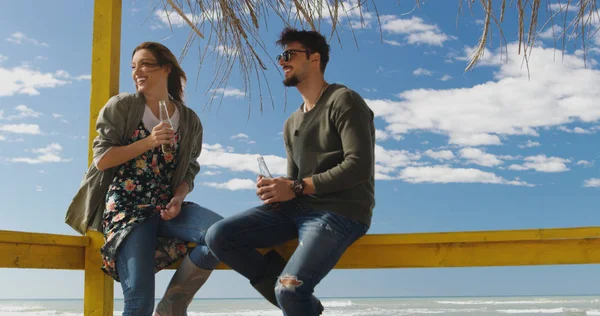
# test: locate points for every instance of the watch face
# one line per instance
(298, 187)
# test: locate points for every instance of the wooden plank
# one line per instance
(462, 254)
(42, 239)
(106, 53)
(32, 256)
(512, 253)
(480, 236)
(98, 288)
(478, 254)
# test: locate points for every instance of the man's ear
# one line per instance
(315, 57)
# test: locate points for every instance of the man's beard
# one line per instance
(291, 81)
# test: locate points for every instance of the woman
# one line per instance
(134, 192)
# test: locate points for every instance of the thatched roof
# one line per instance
(233, 25)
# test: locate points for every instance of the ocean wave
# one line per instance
(337, 303)
(541, 311)
(523, 302)
(40, 313)
(595, 312)
(20, 308)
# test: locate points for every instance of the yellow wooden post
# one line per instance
(106, 49)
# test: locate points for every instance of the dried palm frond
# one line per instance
(234, 25)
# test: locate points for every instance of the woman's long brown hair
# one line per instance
(164, 56)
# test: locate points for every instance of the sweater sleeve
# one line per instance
(111, 125)
(194, 166)
(353, 121)
(292, 169)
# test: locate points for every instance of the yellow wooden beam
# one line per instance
(34, 256)
(106, 51)
(42, 239)
(98, 288)
(480, 236)
(466, 254)
(452, 249)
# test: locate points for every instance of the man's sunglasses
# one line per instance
(287, 55)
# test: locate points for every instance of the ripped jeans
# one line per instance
(322, 239)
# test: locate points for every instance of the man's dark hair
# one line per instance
(311, 40)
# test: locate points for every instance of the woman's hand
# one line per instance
(161, 134)
(172, 209)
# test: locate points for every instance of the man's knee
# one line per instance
(288, 288)
(216, 238)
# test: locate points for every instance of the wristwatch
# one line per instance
(298, 187)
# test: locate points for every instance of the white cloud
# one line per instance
(233, 184)
(529, 144)
(440, 155)
(25, 80)
(225, 50)
(3, 58)
(415, 30)
(576, 130)
(230, 92)
(381, 135)
(422, 72)
(474, 139)
(350, 11)
(387, 162)
(20, 38)
(23, 112)
(217, 156)
(591, 183)
(56, 115)
(243, 138)
(559, 92)
(173, 19)
(584, 163)
(239, 136)
(2, 137)
(563, 6)
(479, 157)
(38, 188)
(445, 174)
(445, 78)
(32, 129)
(541, 163)
(392, 42)
(552, 32)
(211, 173)
(48, 154)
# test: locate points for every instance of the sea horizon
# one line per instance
(588, 305)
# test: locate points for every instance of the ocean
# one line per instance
(470, 306)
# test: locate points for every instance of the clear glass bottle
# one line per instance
(164, 118)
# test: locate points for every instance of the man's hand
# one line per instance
(172, 209)
(272, 190)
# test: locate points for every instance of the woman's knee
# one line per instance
(138, 297)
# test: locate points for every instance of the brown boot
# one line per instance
(186, 281)
(266, 286)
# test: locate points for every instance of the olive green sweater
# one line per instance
(334, 144)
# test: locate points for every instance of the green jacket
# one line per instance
(117, 121)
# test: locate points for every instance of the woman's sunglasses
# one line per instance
(287, 55)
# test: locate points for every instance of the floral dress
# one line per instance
(140, 189)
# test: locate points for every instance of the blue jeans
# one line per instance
(135, 259)
(322, 239)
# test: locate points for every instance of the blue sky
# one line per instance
(483, 150)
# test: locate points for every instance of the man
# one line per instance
(328, 197)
